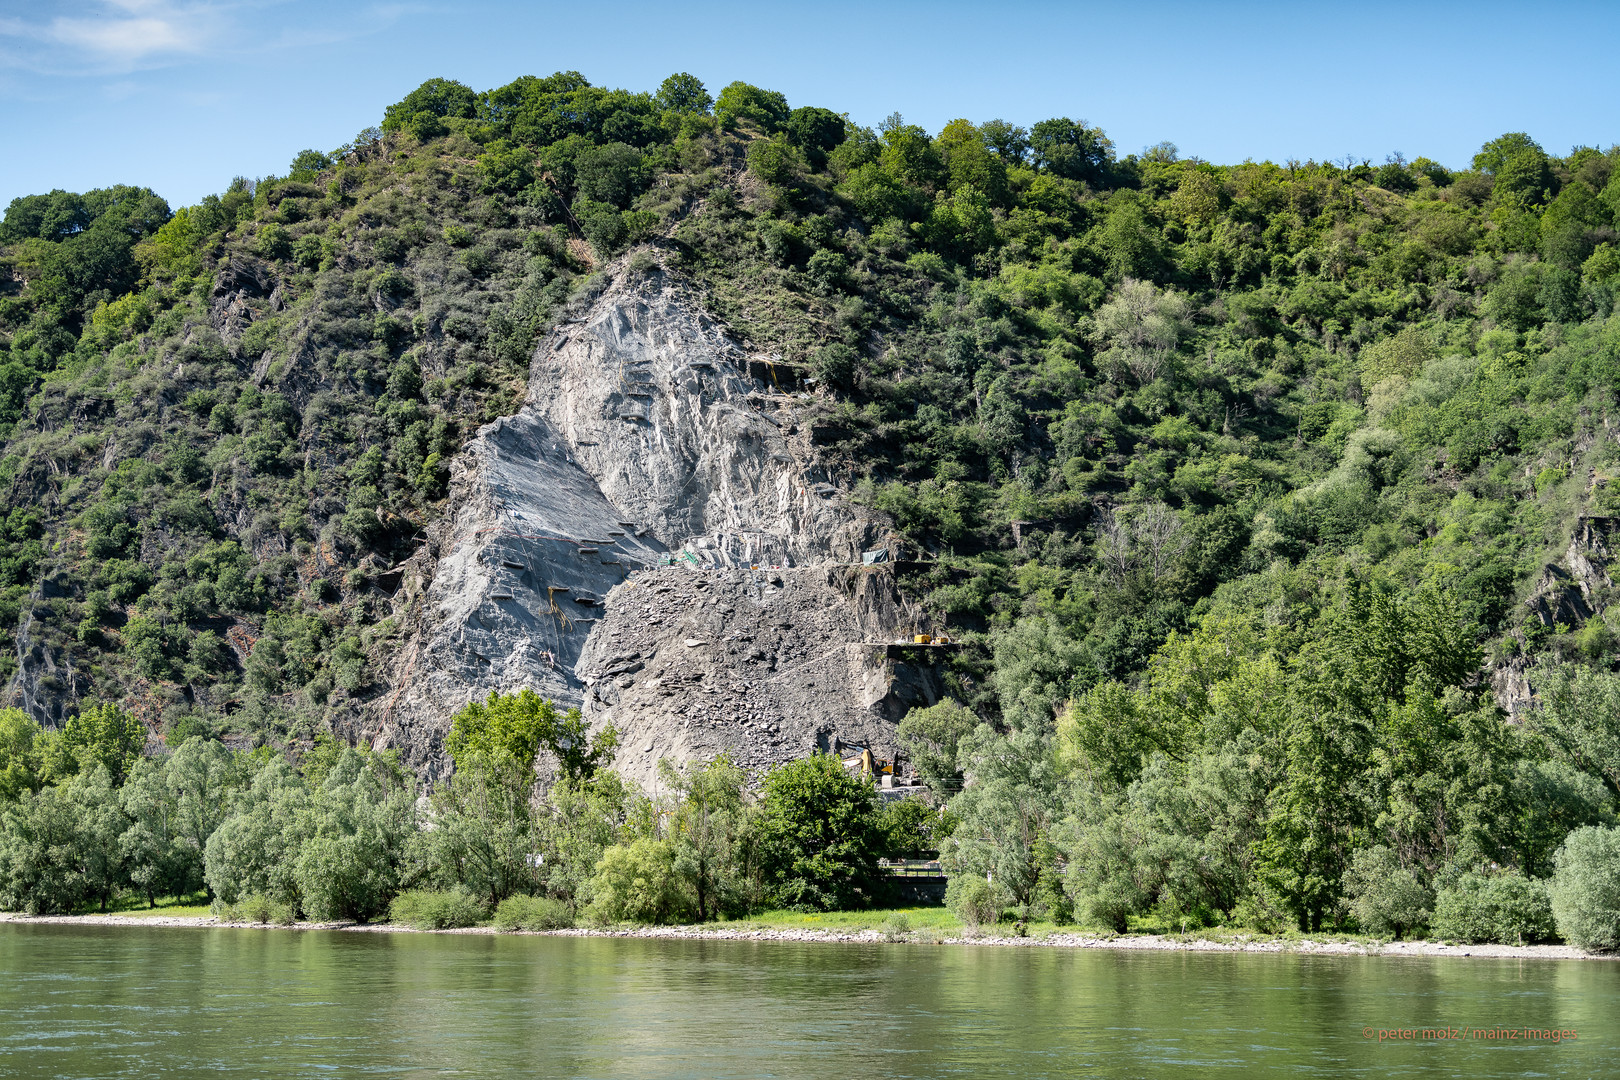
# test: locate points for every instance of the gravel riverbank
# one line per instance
(1189, 943)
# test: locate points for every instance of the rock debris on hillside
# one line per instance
(645, 440)
(762, 665)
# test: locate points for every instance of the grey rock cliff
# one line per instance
(644, 442)
(762, 665)
(1567, 594)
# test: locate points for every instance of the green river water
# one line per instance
(116, 1001)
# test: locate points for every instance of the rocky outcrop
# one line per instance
(238, 285)
(762, 665)
(648, 462)
(1591, 550)
(1510, 686)
(1567, 594)
(1574, 591)
(45, 685)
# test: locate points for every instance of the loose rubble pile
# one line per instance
(763, 665)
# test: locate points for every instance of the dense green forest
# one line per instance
(1240, 480)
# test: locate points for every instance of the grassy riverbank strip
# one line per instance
(866, 929)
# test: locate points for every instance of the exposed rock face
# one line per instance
(643, 441)
(1572, 592)
(237, 283)
(1566, 594)
(765, 665)
(1510, 685)
(43, 686)
(1591, 550)
(654, 399)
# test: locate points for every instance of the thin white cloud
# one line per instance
(365, 22)
(112, 36)
(129, 39)
(116, 37)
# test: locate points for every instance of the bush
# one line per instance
(1505, 907)
(1585, 889)
(1104, 878)
(774, 161)
(836, 365)
(1112, 905)
(1261, 912)
(255, 908)
(911, 829)
(973, 900)
(740, 101)
(274, 242)
(1385, 897)
(638, 883)
(533, 913)
(345, 877)
(436, 909)
(895, 927)
(253, 851)
(603, 225)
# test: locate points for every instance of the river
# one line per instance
(87, 1002)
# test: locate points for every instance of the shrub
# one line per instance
(255, 908)
(603, 225)
(1505, 907)
(436, 909)
(346, 877)
(932, 735)
(1386, 897)
(895, 927)
(911, 829)
(274, 242)
(1104, 878)
(638, 883)
(393, 285)
(522, 912)
(1111, 905)
(1523, 910)
(774, 161)
(307, 252)
(612, 174)
(1261, 912)
(1585, 889)
(973, 900)
(836, 365)
(1049, 898)
(252, 852)
(740, 101)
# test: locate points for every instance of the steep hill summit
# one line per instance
(435, 413)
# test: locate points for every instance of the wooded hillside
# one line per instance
(1243, 480)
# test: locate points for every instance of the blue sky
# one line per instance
(182, 95)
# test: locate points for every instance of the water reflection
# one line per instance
(87, 1002)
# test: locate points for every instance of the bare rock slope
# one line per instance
(1567, 593)
(764, 665)
(605, 544)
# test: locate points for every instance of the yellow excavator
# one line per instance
(869, 764)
